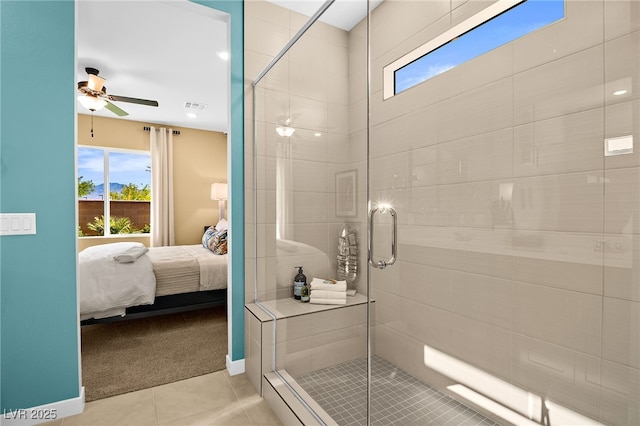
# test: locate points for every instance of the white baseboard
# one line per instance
(44, 413)
(235, 367)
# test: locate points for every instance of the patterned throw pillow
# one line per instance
(207, 236)
(218, 242)
(215, 240)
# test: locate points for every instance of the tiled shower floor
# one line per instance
(397, 397)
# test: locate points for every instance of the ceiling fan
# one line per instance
(93, 95)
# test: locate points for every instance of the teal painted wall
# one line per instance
(38, 307)
(235, 8)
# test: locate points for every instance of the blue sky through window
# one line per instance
(124, 167)
(510, 25)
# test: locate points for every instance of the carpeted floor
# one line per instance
(126, 356)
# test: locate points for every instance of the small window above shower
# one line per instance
(498, 24)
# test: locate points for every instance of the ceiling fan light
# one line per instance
(285, 131)
(92, 103)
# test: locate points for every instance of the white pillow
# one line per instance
(222, 225)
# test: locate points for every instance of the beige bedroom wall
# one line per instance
(200, 159)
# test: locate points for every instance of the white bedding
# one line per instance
(213, 267)
(107, 287)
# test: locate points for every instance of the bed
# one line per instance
(159, 280)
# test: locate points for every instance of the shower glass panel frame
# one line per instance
(515, 290)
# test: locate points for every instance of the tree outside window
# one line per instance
(124, 202)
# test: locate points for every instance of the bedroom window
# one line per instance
(498, 24)
(114, 188)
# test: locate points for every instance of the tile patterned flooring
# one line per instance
(397, 397)
(212, 399)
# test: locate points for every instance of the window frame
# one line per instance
(106, 150)
(485, 15)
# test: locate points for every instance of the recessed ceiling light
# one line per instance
(192, 115)
(223, 54)
(619, 92)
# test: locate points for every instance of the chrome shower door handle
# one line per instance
(381, 264)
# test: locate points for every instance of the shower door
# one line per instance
(494, 200)
(515, 175)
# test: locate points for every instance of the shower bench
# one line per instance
(309, 337)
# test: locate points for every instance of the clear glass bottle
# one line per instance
(305, 293)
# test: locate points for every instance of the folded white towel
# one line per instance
(327, 301)
(329, 285)
(325, 294)
(130, 255)
(351, 292)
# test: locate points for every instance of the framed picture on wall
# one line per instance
(346, 193)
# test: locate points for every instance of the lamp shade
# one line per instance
(218, 191)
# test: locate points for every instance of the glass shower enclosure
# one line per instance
(487, 213)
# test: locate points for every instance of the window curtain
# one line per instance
(284, 202)
(162, 216)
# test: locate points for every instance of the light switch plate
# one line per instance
(17, 223)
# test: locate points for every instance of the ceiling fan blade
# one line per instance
(116, 110)
(133, 100)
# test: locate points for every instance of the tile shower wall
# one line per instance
(519, 241)
(296, 196)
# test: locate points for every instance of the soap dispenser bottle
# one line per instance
(298, 283)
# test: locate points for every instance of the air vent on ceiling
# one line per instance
(194, 106)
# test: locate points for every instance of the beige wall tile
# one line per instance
(557, 373)
(621, 269)
(566, 318)
(582, 28)
(561, 260)
(423, 201)
(415, 16)
(620, 400)
(486, 109)
(426, 284)
(493, 265)
(269, 12)
(476, 158)
(409, 355)
(623, 119)
(482, 345)
(621, 17)
(426, 324)
(621, 331)
(482, 298)
(565, 203)
(622, 202)
(389, 311)
(565, 144)
(490, 67)
(264, 37)
(622, 68)
(429, 125)
(564, 86)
